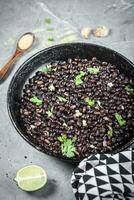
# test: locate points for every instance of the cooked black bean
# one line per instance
(85, 110)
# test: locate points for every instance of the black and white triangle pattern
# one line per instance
(105, 177)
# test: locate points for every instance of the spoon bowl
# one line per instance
(25, 41)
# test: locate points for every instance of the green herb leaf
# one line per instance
(35, 100)
(120, 120)
(74, 138)
(78, 81)
(110, 132)
(50, 112)
(93, 70)
(78, 78)
(62, 138)
(51, 87)
(46, 68)
(129, 89)
(82, 73)
(50, 29)
(48, 21)
(90, 102)
(62, 99)
(67, 146)
(50, 39)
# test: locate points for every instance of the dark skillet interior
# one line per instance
(60, 52)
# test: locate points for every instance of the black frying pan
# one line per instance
(60, 52)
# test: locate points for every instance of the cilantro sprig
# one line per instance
(110, 132)
(47, 68)
(120, 120)
(48, 21)
(129, 89)
(50, 112)
(67, 146)
(50, 29)
(62, 99)
(35, 100)
(50, 39)
(78, 78)
(90, 102)
(93, 70)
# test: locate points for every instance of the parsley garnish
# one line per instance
(78, 78)
(62, 99)
(129, 89)
(48, 21)
(67, 146)
(90, 102)
(47, 68)
(50, 39)
(93, 70)
(110, 132)
(35, 100)
(50, 29)
(50, 112)
(120, 120)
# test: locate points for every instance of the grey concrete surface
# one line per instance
(19, 16)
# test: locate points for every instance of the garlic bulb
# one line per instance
(101, 31)
(85, 32)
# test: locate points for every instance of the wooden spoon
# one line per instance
(23, 44)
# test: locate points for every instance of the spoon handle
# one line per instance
(6, 67)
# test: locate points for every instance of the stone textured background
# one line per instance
(68, 16)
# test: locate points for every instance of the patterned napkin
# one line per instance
(105, 177)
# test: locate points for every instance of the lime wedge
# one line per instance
(31, 178)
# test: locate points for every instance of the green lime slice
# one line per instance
(31, 178)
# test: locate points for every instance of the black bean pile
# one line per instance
(88, 102)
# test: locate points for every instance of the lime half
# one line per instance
(31, 178)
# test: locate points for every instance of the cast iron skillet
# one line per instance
(60, 52)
